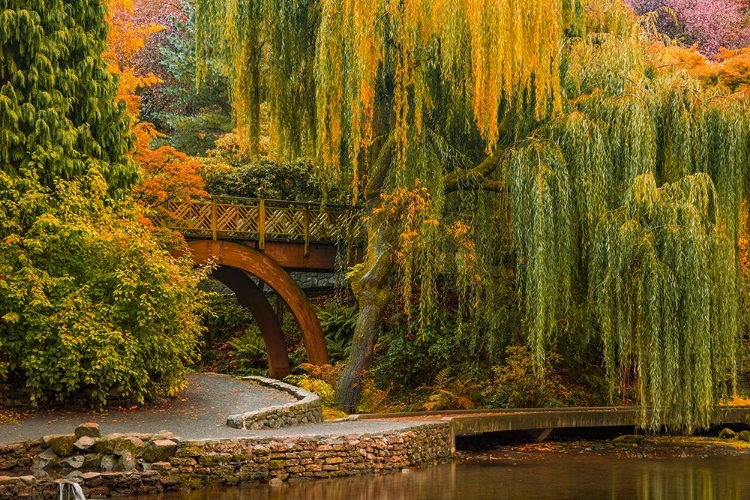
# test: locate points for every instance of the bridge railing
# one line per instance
(264, 220)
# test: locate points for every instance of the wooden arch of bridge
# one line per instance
(247, 237)
(235, 263)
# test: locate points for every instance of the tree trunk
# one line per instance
(369, 283)
(372, 292)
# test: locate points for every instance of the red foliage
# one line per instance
(146, 13)
(709, 24)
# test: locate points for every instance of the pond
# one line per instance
(538, 473)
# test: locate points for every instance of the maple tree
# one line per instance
(166, 174)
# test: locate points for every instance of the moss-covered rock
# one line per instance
(727, 433)
(214, 459)
(89, 429)
(61, 444)
(628, 440)
(276, 464)
(160, 450)
(128, 444)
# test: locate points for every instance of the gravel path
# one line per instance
(198, 412)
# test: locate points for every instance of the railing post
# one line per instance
(306, 230)
(261, 224)
(214, 229)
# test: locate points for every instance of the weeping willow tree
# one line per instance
(622, 175)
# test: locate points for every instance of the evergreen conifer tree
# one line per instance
(58, 115)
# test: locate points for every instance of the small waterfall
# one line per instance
(70, 491)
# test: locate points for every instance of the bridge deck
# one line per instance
(473, 422)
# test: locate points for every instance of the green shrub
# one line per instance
(448, 392)
(515, 385)
(88, 300)
(249, 351)
(231, 172)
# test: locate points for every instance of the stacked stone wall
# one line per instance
(306, 410)
(153, 464)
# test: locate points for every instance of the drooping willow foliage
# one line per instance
(638, 221)
(622, 176)
(339, 73)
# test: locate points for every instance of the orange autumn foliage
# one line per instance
(731, 69)
(166, 174)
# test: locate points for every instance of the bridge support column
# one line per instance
(538, 435)
(253, 298)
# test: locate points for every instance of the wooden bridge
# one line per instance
(536, 424)
(246, 237)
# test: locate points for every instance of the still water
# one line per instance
(546, 475)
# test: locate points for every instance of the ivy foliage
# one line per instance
(89, 301)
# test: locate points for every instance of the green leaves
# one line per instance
(57, 101)
(628, 207)
(666, 297)
(88, 300)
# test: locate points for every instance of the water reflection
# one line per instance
(539, 476)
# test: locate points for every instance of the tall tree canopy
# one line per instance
(709, 24)
(622, 174)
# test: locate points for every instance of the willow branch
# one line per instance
(380, 171)
(476, 177)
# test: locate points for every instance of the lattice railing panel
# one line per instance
(334, 225)
(190, 218)
(285, 222)
(237, 221)
(253, 219)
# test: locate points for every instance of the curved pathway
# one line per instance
(198, 412)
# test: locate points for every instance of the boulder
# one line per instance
(84, 443)
(117, 444)
(744, 436)
(92, 461)
(126, 462)
(89, 429)
(108, 463)
(74, 462)
(62, 444)
(628, 440)
(160, 450)
(163, 434)
(727, 433)
(129, 444)
(47, 458)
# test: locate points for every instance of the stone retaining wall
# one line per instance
(306, 410)
(186, 465)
